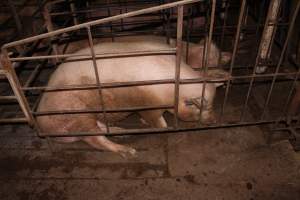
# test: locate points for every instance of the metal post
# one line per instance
(269, 33)
(16, 86)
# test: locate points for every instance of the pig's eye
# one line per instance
(188, 102)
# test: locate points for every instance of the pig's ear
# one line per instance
(101, 126)
(225, 57)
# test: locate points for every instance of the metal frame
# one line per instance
(30, 113)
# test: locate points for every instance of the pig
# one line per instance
(195, 50)
(122, 69)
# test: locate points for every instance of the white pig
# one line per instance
(123, 69)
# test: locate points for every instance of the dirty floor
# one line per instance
(234, 163)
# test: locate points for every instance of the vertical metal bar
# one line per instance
(268, 33)
(168, 15)
(73, 9)
(97, 76)
(178, 61)
(289, 34)
(16, 86)
(188, 34)
(16, 17)
(49, 26)
(235, 48)
(207, 51)
(224, 25)
(257, 60)
(110, 23)
(260, 16)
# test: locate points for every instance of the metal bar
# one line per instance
(4, 98)
(100, 21)
(170, 51)
(151, 82)
(207, 52)
(16, 17)
(115, 110)
(144, 131)
(268, 33)
(16, 87)
(13, 120)
(97, 76)
(73, 12)
(178, 62)
(49, 26)
(235, 48)
(290, 30)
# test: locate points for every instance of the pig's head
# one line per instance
(195, 57)
(190, 103)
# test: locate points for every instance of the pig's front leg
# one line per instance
(154, 118)
(101, 142)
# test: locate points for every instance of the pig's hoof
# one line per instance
(127, 152)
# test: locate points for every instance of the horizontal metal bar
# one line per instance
(144, 131)
(101, 56)
(13, 120)
(89, 111)
(8, 98)
(151, 82)
(100, 21)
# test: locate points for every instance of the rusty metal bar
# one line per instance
(170, 51)
(5, 98)
(235, 48)
(207, 52)
(289, 34)
(97, 76)
(100, 21)
(268, 34)
(178, 61)
(15, 85)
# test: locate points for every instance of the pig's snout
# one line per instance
(189, 110)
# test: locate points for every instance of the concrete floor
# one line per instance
(232, 163)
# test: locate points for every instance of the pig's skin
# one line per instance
(120, 70)
(195, 51)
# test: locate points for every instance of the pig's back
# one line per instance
(137, 68)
